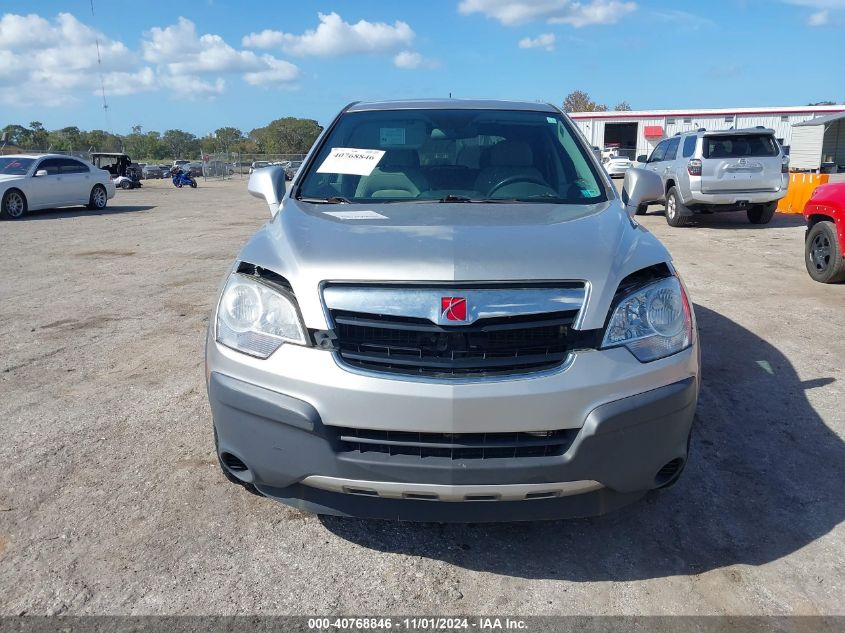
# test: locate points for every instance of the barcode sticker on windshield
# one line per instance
(356, 215)
(355, 162)
(391, 136)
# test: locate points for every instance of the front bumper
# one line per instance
(279, 416)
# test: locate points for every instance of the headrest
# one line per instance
(399, 158)
(511, 154)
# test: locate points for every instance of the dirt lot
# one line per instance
(111, 500)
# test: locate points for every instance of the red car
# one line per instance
(824, 250)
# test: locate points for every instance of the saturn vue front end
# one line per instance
(452, 316)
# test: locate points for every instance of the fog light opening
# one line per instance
(233, 464)
(669, 473)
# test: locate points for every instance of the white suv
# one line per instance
(721, 170)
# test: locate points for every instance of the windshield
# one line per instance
(452, 156)
(15, 166)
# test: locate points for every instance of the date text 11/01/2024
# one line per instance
(417, 623)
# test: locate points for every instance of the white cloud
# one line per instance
(49, 62)
(55, 61)
(182, 51)
(409, 60)
(819, 18)
(684, 19)
(193, 88)
(264, 39)
(577, 14)
(544, 40)
(277, 71)
(334, 37)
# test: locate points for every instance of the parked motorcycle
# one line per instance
(180, 178)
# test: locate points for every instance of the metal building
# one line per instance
(638, 132)
(819, 144)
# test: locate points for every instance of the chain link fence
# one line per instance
(226, 165)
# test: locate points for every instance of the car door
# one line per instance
(656, 157)
(669, 171)
(45, 190)
(76, 181)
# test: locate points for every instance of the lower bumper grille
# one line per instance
(455, 446)
(494, 346)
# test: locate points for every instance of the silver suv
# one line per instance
(724, 170)
(452, 316)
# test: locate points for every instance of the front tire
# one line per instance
(126, 185)
(823, 254)
(13, 206)
(193, 184)
(762, 214)
(675, 209)
(98, 199)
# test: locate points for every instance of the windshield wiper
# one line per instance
(453, 198)
(330, 200)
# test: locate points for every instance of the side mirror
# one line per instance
(642, 158)
(268, 183)
(640, 186)
(40, 173)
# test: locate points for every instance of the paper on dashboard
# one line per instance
(352, 161)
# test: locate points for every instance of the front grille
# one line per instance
(453, 446)
(488, 347)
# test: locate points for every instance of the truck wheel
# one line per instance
(762, 214)
(823, 254)
(13, 205)
(675, 209)
(99, 198)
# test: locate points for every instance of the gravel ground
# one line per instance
(111, 501)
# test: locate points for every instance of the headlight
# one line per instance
(256, 319)
(652, 322)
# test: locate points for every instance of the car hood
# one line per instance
(312, 243)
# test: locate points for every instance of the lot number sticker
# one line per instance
(355, 162)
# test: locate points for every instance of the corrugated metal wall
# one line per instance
(593, 129)
(833, 147)
(806, 147)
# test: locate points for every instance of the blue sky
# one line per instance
(209, 63)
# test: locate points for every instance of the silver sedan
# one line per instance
(44, 181)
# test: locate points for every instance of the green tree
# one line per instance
(38, 135)
(580, 101)
(180, 143)
(622, 106)
(227, 138)
(66, 139)
(286, 136)
(16, 135)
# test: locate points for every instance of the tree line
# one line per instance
(288, 135)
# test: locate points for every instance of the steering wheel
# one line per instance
(513, 180)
